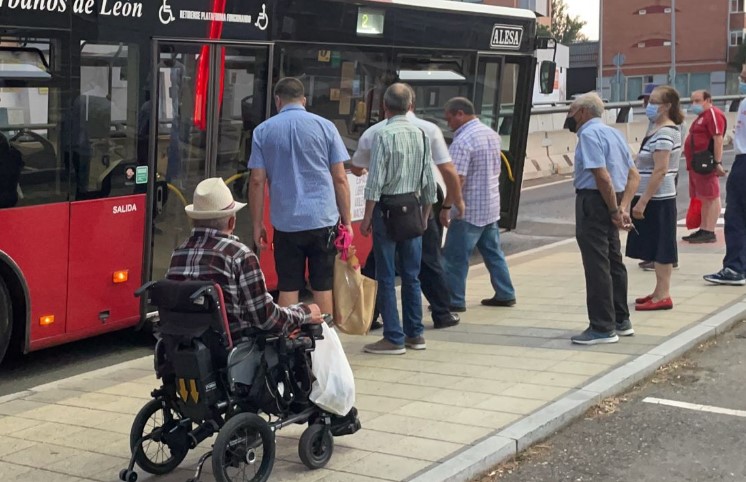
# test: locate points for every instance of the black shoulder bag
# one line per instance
(703, 162)
(402, 213)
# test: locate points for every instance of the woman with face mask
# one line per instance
(654, 205)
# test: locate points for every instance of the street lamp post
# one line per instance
(600, 80)
(672, 72)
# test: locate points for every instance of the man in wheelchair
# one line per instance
(226, 353)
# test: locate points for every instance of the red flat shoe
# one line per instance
(664, 304)
(640, 301)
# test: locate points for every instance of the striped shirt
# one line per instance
(209, 255)
(667, 138)
(475, 152)
(400, 162)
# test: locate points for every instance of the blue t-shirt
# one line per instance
(601, 146)
(297, 149)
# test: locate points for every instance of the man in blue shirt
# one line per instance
(302, 157)
(605, 182)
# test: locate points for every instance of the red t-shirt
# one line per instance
(708, 124)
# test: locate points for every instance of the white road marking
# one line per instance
(694, 406)
(546, 185)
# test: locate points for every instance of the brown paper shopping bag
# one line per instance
(354, 297)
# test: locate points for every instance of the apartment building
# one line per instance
(636, 45)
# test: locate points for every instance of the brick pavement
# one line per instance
(417, 410)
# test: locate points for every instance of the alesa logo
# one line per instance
(124, 208)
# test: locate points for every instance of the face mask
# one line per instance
(652, 112)
(697, 109)
(571, 124)
(742, 87)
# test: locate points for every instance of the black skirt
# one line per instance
(655, 239)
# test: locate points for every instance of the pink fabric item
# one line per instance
(343, 242)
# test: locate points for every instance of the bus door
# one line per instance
(495, 93)
(208, 99)
(107, 210)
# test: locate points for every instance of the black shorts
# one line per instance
(293, 250)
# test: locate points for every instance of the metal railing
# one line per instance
(562, 107)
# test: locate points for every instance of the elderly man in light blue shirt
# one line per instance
(302, 157)
(605, 182)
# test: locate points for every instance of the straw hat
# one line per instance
(212, 200)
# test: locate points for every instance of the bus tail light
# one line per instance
(121, 276)
(46, 320)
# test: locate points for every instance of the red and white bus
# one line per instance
(111, 111)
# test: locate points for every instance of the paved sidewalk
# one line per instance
(418, 410)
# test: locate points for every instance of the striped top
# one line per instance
(667, 138)
(400, 161)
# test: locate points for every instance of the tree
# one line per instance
(565, 29)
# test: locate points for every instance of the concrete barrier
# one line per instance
(561, 150)
(537, 164)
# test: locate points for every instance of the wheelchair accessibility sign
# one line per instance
(166, 15)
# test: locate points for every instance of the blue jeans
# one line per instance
(410, 253)
(460, 242)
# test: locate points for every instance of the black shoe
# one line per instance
(689, 237)
(704, 238)
(346, 425)
(447, 321)
(376, 325)
(452, 309)
(495, 302)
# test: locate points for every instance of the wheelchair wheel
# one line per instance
(316, 446)
(154, 456)
(244, 450)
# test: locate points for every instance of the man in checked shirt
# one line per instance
(475, 152)
(213, 253)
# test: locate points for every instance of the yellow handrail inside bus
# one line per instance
(236, 177)
(507, 166)
(183, 199)
(178, 193)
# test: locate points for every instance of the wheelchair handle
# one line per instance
(142, 289)
(328, 319)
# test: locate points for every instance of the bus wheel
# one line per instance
(6, 319)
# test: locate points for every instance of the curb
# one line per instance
(81, 376)
(507, 443)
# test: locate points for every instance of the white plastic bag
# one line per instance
(334, 387)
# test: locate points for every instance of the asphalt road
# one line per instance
(631, 440)
(546, 216)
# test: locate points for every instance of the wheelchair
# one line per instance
(212, 384)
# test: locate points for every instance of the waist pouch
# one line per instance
(402, 216)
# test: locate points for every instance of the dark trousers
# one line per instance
(605, 274)
(735, 217)
(432, 277)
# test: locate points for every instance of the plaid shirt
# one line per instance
(475, 152)
(400, 162)
(210, 255)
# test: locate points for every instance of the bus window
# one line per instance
(435, 81)
(244, 103)
(344, 86)
(103, 120)
(508, 92)
(31, 171)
